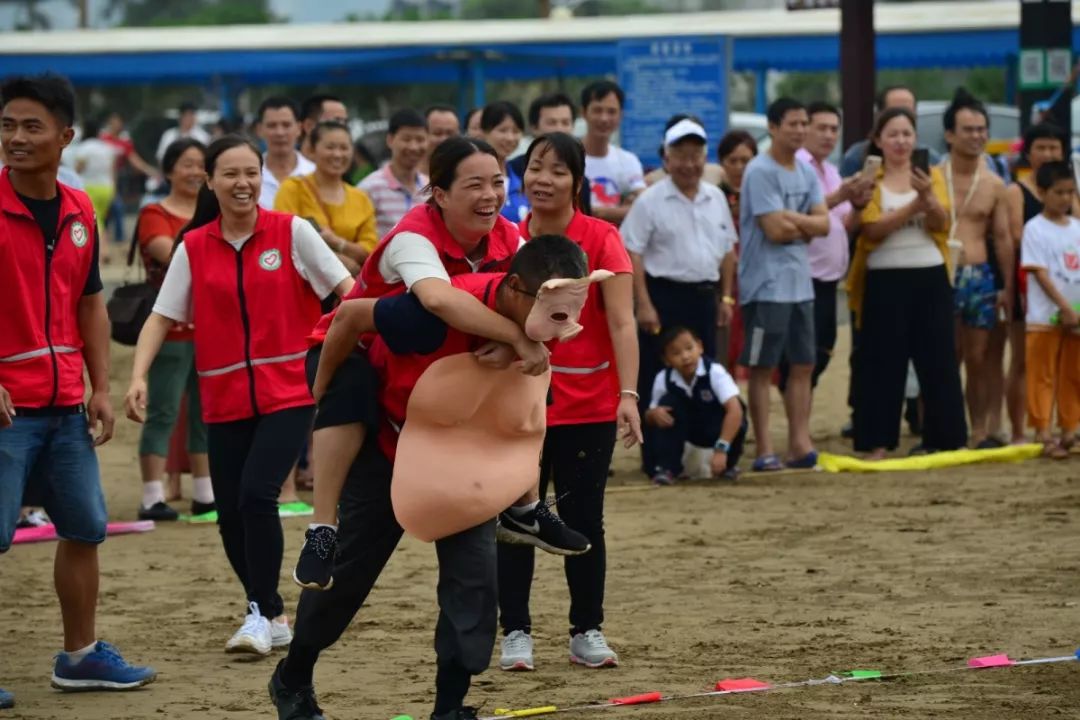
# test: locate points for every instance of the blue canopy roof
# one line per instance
(921, 35)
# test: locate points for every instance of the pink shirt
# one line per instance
(828, 254)
(390, 198)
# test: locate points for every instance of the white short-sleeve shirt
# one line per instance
(270, 184)
(613, 176)
(314, 261)
(1056, 248)
(678, 238)
(720, 381)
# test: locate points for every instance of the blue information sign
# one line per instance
(664, 76)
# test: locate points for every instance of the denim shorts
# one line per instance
(55, 457)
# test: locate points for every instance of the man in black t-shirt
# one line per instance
(55, 325)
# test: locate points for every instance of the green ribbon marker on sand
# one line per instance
(863, 674)
(401, 717)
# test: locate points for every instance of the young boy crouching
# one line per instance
(694, 400)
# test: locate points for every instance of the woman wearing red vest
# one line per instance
(251, 281)
(458, 231)
(454, 233)
(592, 380)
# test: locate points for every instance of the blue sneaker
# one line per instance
(7, 700)
(102, 669)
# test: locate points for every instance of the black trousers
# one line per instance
(908, 314)
(669, 443)
(576, 458)
(824, 331)
(853, 361)
(691, 305)
(368, 533)
(249, 461)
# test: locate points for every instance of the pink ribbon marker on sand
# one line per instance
(741, 685)
(990, 661)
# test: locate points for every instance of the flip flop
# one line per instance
(769, 463)
(806, 462)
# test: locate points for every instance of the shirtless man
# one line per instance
(978, 208)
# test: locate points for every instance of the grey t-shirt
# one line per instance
(770, 271)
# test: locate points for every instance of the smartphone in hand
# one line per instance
(921, 159)
(871, 166)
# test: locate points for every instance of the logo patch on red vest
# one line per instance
(270, 259)
(79, 236)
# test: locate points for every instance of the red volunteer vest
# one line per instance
(426, 220)
(41, 362)
(584, 377)
(398, 373)
(251, 311)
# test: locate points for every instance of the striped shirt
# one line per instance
(390, 198)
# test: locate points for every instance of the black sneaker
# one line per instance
(465, 713)
(158, 512)
(201, 508)
(315, 567)
(293, 704)
(543, 529)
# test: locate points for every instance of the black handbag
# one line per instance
(131, 303)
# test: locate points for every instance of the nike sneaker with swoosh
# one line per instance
(543, 529)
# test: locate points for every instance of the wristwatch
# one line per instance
(722, 446)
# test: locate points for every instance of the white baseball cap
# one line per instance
(683, 129)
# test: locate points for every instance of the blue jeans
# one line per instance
(57, 455)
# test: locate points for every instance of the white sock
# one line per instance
(153, 492)
(523, 510)
(78, 655)
(202, 491)
(312, 526)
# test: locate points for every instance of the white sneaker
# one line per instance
(517, 652)
(254, 636)
(280, 634)
(591, 650)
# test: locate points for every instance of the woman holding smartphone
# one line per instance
(901, 297)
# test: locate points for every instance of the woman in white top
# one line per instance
(902, 299)
(251, 280)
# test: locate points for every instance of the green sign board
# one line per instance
(1040, 68)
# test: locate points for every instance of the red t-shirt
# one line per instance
(124, 146)
(156, 221)
(398, 373)
(584, 379)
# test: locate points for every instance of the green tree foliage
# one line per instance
(492, 9)
(157, 13)
(987, 84)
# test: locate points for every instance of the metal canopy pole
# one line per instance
(857, 64)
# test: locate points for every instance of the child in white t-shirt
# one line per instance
(1050, 253)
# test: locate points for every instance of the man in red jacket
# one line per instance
(54, 322)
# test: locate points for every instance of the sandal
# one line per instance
(767, 463)
(806, 462)
(1055, 451)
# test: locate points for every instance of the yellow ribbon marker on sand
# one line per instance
(950, 458)
(527, 712)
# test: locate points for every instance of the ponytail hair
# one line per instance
(207, 210)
